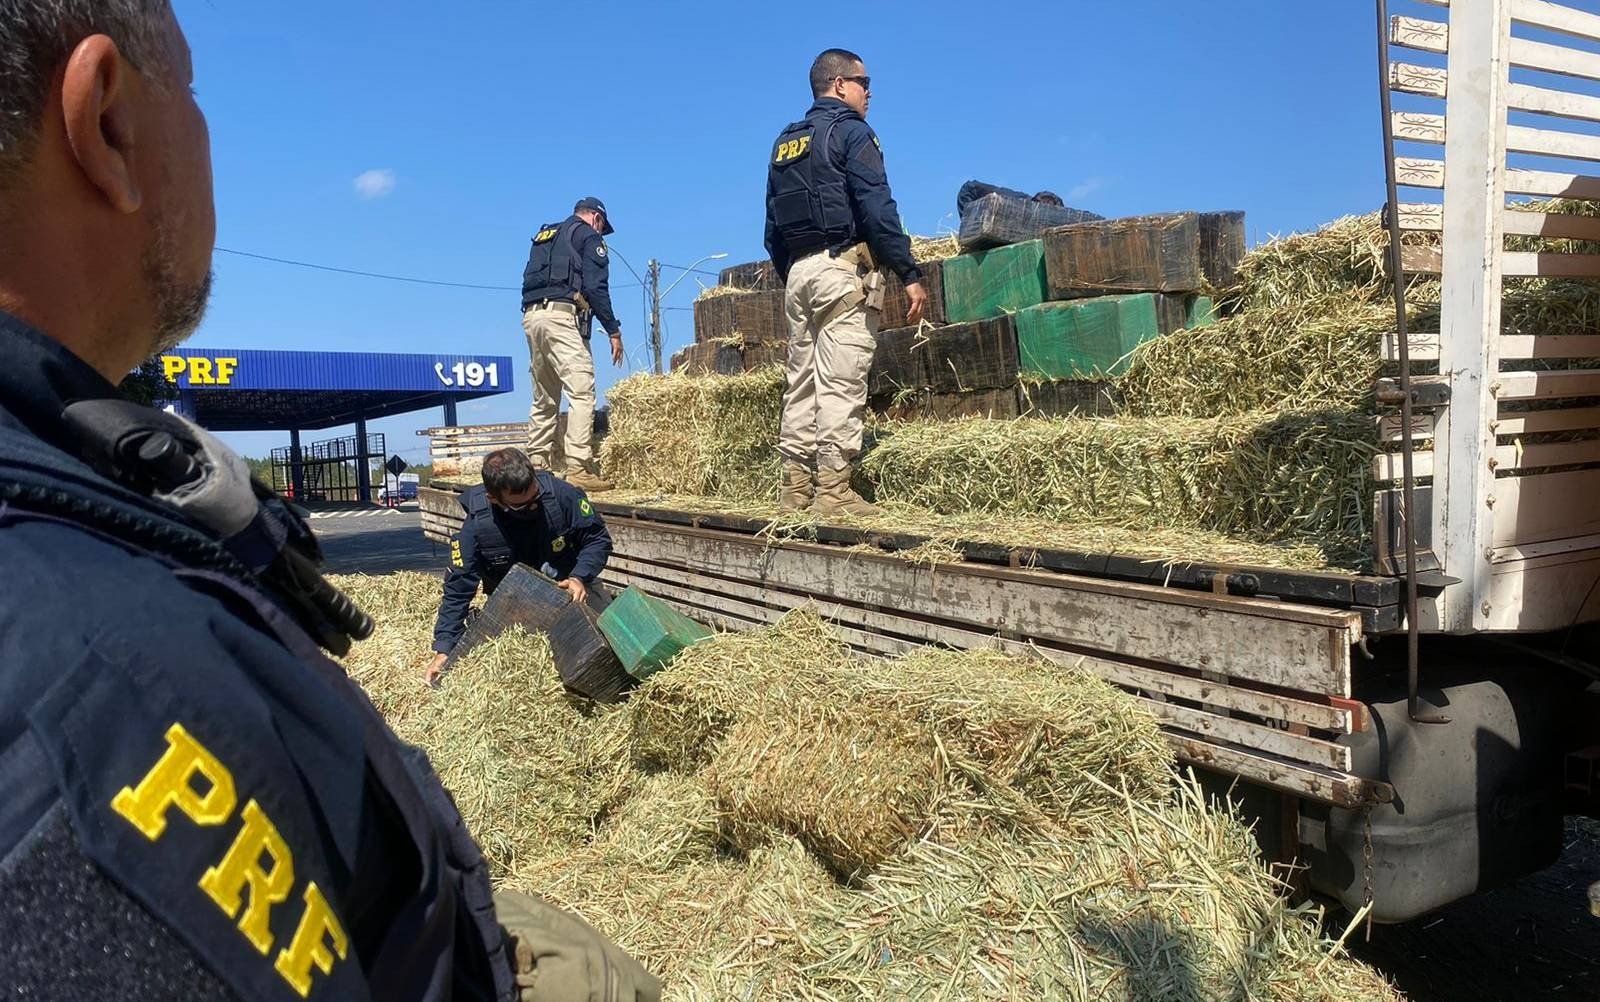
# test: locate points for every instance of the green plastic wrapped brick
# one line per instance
(1085, 338)
(994, 282)
(647, 633)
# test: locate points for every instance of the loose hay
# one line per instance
(935, 248)
(1061, 861)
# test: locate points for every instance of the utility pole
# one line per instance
(653, 269)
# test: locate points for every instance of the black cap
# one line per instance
(595, 205)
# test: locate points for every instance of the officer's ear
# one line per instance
(99, 97)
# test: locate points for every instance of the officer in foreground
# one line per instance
(831, 225)
(195, 802)
(521, 515)
(566, 281)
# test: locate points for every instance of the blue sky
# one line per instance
(475, 122)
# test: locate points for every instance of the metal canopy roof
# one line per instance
(245, 390)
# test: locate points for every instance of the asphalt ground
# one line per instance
(377, 541)
(1531, 940)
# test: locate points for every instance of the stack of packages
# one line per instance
(601, 647)
(1038, 326)
(739, 323)
(1078, 388)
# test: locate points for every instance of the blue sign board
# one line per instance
(213, 369)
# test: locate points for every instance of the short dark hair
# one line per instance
(1048, 198)
(37, 35)
(508, 471)
(832, 64)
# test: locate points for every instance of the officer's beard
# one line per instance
(179, 306)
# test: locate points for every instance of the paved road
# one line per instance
(377, 541)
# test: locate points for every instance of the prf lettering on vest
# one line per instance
(201, 371)
(792, 150)
(188, 778)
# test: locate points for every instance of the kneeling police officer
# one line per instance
(195, 801)
(520, 515)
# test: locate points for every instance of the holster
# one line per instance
(859, 257)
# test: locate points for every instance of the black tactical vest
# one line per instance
(554, 269)
(493, 547)
(810, 203)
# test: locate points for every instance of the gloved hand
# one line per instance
(557, 957)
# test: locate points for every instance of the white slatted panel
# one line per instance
(1522, 514)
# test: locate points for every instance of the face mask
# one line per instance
(525, 515)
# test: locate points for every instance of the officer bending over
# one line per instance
(195, 802)
(831, 224)
(519, 516)
(567, 280)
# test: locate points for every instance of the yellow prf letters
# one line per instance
(259, 860)
(202, 371)
(791, 150)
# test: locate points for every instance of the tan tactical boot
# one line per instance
(798, 487)
(587, 482)
(835, 496)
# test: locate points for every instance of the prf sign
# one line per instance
(200, 371)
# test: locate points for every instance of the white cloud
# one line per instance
(376, 183)
(1085, 189)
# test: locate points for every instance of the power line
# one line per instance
(697, 271)
(387, 278)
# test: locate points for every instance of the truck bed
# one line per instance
(1248, 669)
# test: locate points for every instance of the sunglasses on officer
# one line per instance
(522, 501)
(865, 82)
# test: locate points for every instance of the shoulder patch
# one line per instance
(600, 250)
(876, 143)
(585, 508)
(455, 553)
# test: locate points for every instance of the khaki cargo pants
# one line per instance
(560, 360)
(830, 354)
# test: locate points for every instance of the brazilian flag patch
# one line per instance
(585, 507)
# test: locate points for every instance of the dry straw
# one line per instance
(1264, 475)
(950, 825)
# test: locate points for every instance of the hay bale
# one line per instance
(713, 436)
(1301, 478)
(1322, 354)
(665, 821)
(853, 788)
(1034, 726)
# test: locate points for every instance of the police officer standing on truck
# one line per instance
(519, 515)
(565, 283)
(831, 225)
(195, 802)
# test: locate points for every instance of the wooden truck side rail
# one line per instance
(1255, 685)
